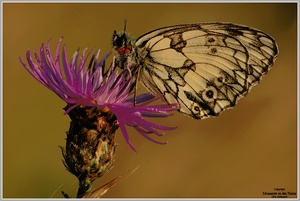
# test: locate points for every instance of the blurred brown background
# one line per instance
(241, 154)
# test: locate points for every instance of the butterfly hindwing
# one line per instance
(204, 67)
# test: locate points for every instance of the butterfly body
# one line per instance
(205, 67)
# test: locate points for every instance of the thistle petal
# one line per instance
(93, 86)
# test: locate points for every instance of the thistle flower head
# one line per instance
(83, 84)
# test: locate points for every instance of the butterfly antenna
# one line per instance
(125, 22)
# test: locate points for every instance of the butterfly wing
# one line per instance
(205, 67)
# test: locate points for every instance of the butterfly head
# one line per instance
(122, 42)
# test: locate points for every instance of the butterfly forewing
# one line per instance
(205, 67)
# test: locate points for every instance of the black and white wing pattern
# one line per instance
(205, 67)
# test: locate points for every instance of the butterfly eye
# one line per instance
(121, 50)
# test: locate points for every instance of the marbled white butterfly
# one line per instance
(205, 67)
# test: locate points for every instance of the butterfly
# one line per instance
(204, 67)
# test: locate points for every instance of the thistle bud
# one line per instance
(90, 144)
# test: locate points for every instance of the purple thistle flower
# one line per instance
(92, 86)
